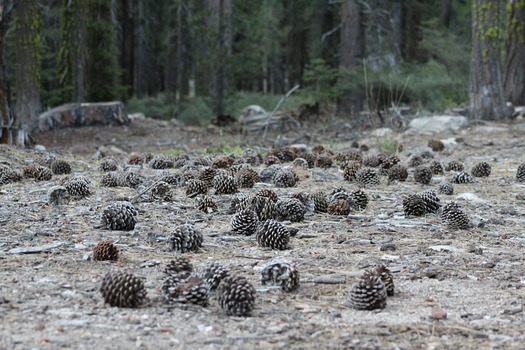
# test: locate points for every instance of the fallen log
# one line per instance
(83, 114)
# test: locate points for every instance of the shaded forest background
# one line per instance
(195, 59)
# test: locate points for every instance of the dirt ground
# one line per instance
(50, 299)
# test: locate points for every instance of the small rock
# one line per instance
(58, 195)
(438, 313)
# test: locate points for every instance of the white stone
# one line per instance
(381, 132)
(471, 197)
(438, 123)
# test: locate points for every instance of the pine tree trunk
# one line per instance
(221, 29)
(27, 69)
(487, 100)
(352, 51)
(6, 120)
(514, 83)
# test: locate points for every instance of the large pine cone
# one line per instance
(123, 290)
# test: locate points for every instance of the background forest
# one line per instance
(195, 59)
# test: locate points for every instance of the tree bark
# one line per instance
(514, 83)
(220, 26)
(487, 100)
(352, 51)
(6, 118)
(27, 69)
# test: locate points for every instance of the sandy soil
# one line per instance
(51, 299)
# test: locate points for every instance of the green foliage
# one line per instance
(153, 106)
(320, 79)
(102, 69)
(242, 99)
(197, 111)
(389, 144)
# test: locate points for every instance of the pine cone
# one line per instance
(7, 175)
(271, 160)
(78, 186)
(119, 215)
(481, 169)
(306, 199)
(432, 202)
(324, 161)
(462, 178)
(161, 191)
(371, 161)
(244, 222)
(272, 234)
(129, 179)
(195, 187)
(339, 207)
(446, 188)
(221, 162)
(178, 265)
(367, 177)
(135, 159)
(207, 205)
(455, 165)
(60, 167)
(436, 167)
(350, 155)
(350, 170)
(191, 290)
(38, 172)
(268, 173)
(105, 250)
(161, 162)
(285, 154)
(369, 293)
(109, 180)
(520, 173)
(185, 238)
(108, 164)
(415, 161)
(290, 209)
(45, 159)
(320, 202)
(397, 172)
(236, 296)
(423, 175)
(267, 192)
(385, 275)
(207, 175)
(413, 205)
(213, 273)
(284, 178)
(224, 184)
(436, 145)
(308, 157)
(281, 272)
(246, 177)
(454, 217)
(123, 290)
(359, 199)
(388, 160)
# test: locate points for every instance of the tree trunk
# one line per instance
(352, 51)
(487, 100)
(27, 68)
(6, 119)
(514, 83)
(221, 28)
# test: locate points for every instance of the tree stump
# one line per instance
(83, 114)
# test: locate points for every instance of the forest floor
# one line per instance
(50, 299)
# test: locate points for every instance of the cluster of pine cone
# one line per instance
(262, 213)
